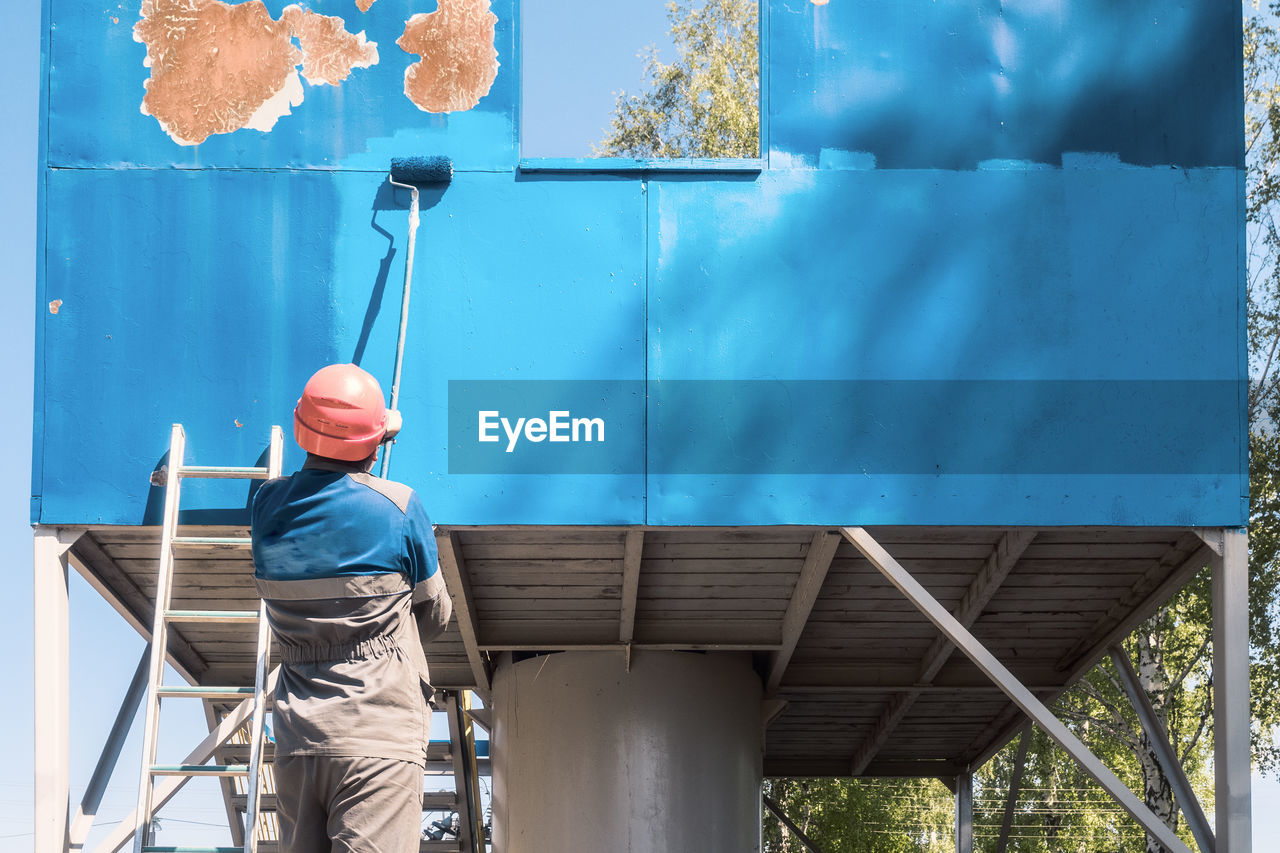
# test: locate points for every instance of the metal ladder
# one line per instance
(164, 616)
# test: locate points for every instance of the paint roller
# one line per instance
(409, 173)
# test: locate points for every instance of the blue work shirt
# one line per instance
(346, 563)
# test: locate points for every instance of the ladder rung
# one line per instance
(226, 616)
(199, 769)
(439, 800)
(203, 692)
(237, 541)
(216, 472)
(239, 752)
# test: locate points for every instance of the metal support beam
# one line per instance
(632, 551)
(170, 785)
(789, 824)
(459, 585)
(52, 641)
(964, 813)
(83, 820)
(1231, 694)
(996, 671)
(1158, 736)
(1015, 786)
(999, 564)
(822, 550)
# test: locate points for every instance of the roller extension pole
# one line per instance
(404, 312)
(406, 173)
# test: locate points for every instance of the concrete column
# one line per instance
(1234, 829)
(590, 756)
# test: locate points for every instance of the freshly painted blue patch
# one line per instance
(927, 85)
(971, 195)
(214, 313)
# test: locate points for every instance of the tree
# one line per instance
(862, 816)
(1262, 163)
(704, 104)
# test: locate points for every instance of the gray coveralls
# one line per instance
(346, 563)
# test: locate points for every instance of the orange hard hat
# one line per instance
(341, 414)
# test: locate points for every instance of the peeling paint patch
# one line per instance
(280, 104)
(819, 2)
(363, 5)
(54, 306)
(329, 52)
(459, 61)
(217, 67)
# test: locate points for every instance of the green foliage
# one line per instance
(862, 816)
(1262, 162)
(1059, 808)
(1262, 147)
(704, 104)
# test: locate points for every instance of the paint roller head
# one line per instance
(422, 170)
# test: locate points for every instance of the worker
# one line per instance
(346, 563)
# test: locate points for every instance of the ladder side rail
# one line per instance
(274, 467)
(159, 636)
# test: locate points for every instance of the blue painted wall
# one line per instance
(989, 272)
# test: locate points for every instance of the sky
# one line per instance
(104, 649)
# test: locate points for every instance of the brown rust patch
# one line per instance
(329, 52)
(459, 61)
(217, 67)
(54, 306)
(212, 64)
(363, 5)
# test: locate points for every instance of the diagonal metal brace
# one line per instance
(1014, 689)
(778, 813)
(1159, 737)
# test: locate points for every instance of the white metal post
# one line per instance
(52, 691)
(964, 813)
(1231, 694)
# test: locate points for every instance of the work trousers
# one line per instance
(337, 804)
